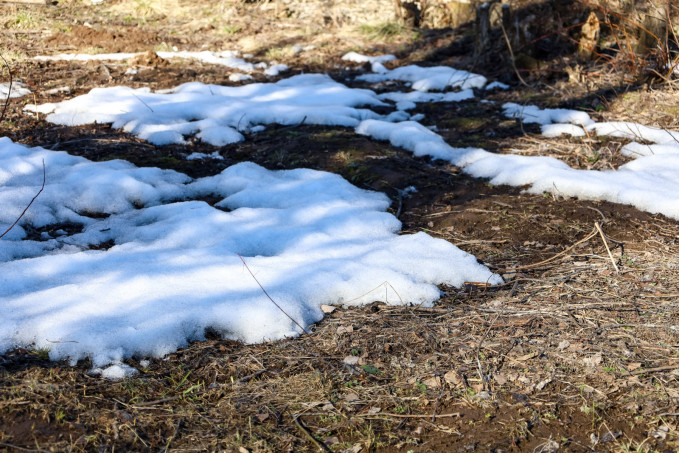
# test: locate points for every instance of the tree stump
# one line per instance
(482, 30)
(407, 13)
(653, 35)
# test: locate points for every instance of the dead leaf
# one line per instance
(345, 329)
(523, 358)
(452, 378)
(432, 382)
(355, 449)
(593, 361)
(374, 411)
(351, 397)
(563, 345)
(328, 406)
(262, 417)
(500, 379)
(633, 366)
(327, 309)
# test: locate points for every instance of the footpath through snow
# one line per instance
(172, 269)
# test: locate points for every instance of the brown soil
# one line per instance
(104, 40)
(569, 354)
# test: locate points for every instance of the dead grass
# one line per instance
(568, 352)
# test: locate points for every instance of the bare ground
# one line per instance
(569, 355)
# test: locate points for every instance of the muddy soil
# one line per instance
(568, 355)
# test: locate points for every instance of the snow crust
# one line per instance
(359, 58)
(648, 183)
(533, 114)
(19, 89)
(173, 269)
(408, 101)
(310, 237)
(427, 79)
(221, 115)
(215, 114)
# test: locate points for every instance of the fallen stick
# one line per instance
(610, 255)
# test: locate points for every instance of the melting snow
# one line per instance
(173, 268)
(358, 58)
(310, 237)
(216, 114)
(19, 89)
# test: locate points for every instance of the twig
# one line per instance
(44, 178)
(653, 370)
(386, 285)
(270, 298)
(252, 376)
(436, 407)
(511, 55)
(528, 266)
(16, 447)
(610, 255)
(9, 89)
(454, 414)
(321, 446)
(142, 101)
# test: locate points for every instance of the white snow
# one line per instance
(200, 156)
(359, 58)
(216, 114)
(533, 114)
(226, 58)
(115, 372)
(497, 86)
(427, 79)
(407, 101)
(310, 237)
(238, 77)
(19, 89)
(555, 130)
(635, 149)
(649, 183)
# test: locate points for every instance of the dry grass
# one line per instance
(568, 352)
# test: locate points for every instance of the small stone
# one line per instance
(351, 360)
(327, 309)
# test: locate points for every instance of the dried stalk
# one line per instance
(270, 298)
(610, 255)
(9, 90)
(44, 178)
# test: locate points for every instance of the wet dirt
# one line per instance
(539, 396)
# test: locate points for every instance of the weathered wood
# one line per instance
(27, 2)
(653, 35)
(589, 36)
(482, 28)
(407, 12)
